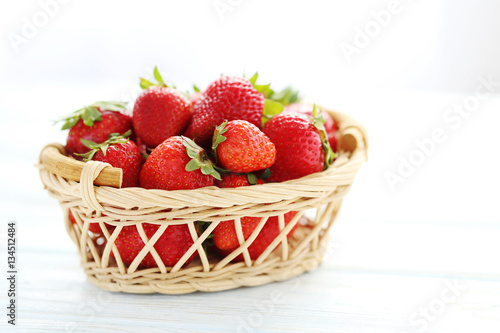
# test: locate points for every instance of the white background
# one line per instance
(427, 58)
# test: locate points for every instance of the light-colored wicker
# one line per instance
(319, 194)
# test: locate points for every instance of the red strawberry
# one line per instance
(225, 237)
(196, 96)
(171, 245)
(236, 98)
(227, 98)
(235, 180)
(120, 152)
(177, 164)
(202, 125)
(269, 233)
(330, 125)
(302, 148)
(241, 147)
(266, 236)
(95, 122)
(142, 148)
(225, 233)
(93, 227)
(160, 112)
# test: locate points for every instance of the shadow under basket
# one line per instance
(91, 192)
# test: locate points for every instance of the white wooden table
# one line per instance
(424, 258)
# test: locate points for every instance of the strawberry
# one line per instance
(95, 122)
(301, 145)
(236, 98)
(120, 152)
(241, 147)
(237, 180)
(227, 98)
(195, 97)
(224, 234)
(268, 233)
(160, 112)
(205, 119)
(177, 164)
(331, 127)
(266, 236)
(225, 237)
(142, 148)
(93, 227)
(171, 245)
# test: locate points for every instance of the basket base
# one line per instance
(192, 278)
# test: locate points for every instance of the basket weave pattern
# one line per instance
(317, 196)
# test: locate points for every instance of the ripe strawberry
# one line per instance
(120, 152)
(237, 180)
(241, 147)
(227, 98)
(236, 98)
(95, 122)
(171, 245)
(266, 236)
(93, 227)
(195, 97)
(301, 145)
(331, 127)
(142, 148)
(225, 233)
(225, 236)
(177, 164)
(202, 125)
(269, 233)
(160, 112)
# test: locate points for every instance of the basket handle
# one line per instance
(353, 135)
(53, 159)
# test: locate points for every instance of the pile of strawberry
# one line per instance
(235, 133)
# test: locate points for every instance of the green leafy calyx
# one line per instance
(199, 159)
(145, 84)
(90, 114)
(286, 96)
(264, 89)
(274, 102)
(271, 109)
(114, 138)
(252, 179)
(319, 123)
(266, 174)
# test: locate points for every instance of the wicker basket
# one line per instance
(91, 191)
